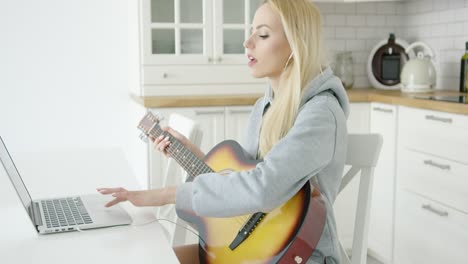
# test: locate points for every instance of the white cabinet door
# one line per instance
(211, 121)
(383, 118)
(236, 122)
(345, 204)
(177, 31)
(428, 232)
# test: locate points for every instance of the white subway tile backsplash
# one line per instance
(365, 33)
(366, 8)
(461, 14)
(448, 83)
(335, 20)
(393, 20)
(447, 16)
(453, 4)
(359, 27)
(439, 30)
(345, 33)
(449, 69)
(346, 8)
(355, 20)
(336, 45)
(361, 82)
(454, 29)
(373, 21)
(360, 69)
(441, 4)
(386, 8)
(448, 56)
(329, 32)
(355, 45)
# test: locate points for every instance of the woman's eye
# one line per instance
(263, 36)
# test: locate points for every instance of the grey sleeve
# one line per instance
(306, 149)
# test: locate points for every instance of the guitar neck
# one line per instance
(183, 156)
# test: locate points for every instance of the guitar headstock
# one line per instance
(147, 125)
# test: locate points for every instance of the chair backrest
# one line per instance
(362, 155)
(174, 175)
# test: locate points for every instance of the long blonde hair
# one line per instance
(302, 26)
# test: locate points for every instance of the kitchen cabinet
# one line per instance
(195, 46)
(196, 31)
(431, 213)
(216, 123)
(383, 120)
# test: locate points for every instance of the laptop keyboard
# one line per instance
(65, 212)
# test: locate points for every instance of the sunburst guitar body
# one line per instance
(287, 234)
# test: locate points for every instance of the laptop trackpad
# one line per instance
(105, 216)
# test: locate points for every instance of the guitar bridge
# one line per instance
(247, 229)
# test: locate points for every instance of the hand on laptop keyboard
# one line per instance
(156, 197)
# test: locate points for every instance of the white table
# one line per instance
(77, 172)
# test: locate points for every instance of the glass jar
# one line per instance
(344, 68)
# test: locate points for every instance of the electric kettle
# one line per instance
(418, 74)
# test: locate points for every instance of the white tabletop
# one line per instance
(77, 172)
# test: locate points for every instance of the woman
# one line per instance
(298, 128)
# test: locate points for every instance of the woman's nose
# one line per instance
(247, 43)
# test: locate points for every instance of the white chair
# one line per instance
(174, 175)
(362, 155)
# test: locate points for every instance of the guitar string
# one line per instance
(200, 168)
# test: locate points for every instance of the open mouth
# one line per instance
(252, 60)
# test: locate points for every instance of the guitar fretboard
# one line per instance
(186, 159)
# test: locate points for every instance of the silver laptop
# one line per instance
(63, 214)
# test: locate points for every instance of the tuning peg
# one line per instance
(144, 137)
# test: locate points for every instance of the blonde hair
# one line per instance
(301, 22)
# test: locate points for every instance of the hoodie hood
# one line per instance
(325, 82)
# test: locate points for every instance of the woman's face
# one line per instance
(267, 46)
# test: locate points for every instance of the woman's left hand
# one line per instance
(156, 197)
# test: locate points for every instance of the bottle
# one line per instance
(344, 69)
(464, 71)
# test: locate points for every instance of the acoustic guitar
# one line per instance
(287, 234)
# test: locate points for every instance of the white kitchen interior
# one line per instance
(81, 74)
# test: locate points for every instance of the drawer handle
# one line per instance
(440, 119)
(380, 109)
(437, 165)
(435, 211)
(239, 111)
(208, 112)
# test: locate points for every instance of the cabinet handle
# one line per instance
(435, 211)
(440, 119)
(164, 75)
(208, 112)
(380, 109)
(210, 59)
(220, 59)
(239, 111)
(437, 165)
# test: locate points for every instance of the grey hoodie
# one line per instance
(314, 146)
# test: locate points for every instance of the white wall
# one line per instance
(64, 75)
(358, 27)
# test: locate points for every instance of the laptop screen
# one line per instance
(15, 178)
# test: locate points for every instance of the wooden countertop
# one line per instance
(355, 96)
